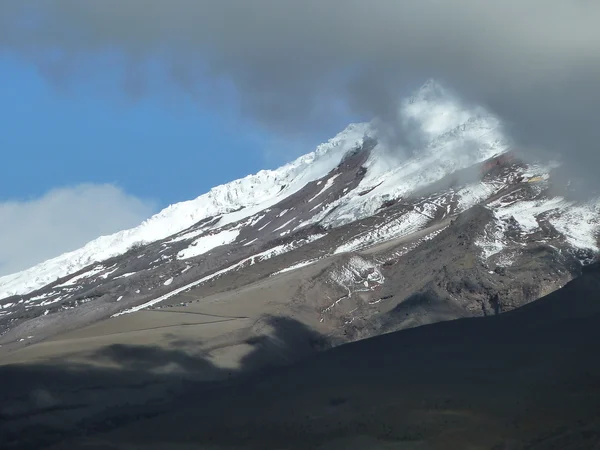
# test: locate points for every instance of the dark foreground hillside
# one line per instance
(526, 379)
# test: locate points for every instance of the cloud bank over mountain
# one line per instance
(291, 65)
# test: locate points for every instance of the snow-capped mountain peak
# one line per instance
(232, 201)
(442, 121)
(352, 177)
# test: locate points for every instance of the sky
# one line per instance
(114, 93)
(81, 160)
(147, 147)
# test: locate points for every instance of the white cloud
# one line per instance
(62, 220)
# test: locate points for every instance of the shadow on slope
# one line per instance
(43, 404)
(529, 378)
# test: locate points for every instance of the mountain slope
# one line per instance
(527, 379)
(169, 334)
(456, 226)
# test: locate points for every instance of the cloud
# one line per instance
(63, 220)
(295, 64)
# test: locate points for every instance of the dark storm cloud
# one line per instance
(534, 62)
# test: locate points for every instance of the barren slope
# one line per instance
(525, 379)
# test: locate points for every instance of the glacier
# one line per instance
(233, 201)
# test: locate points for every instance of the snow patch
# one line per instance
(208, 242)
(315, 207)
(474, 194)
(401, 226)
(41, 297)
(527, 212)
(110, 272)
(580, 225)
(285, 224)
(328, 184)
(358, 270)
(90, 273)
(278, 250)
(126, 275)
(187, 236)
(296, 266)
(493, 241)
(264, 226)
(52, 301)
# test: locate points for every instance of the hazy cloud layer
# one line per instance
(63, 220)
(296, 63)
